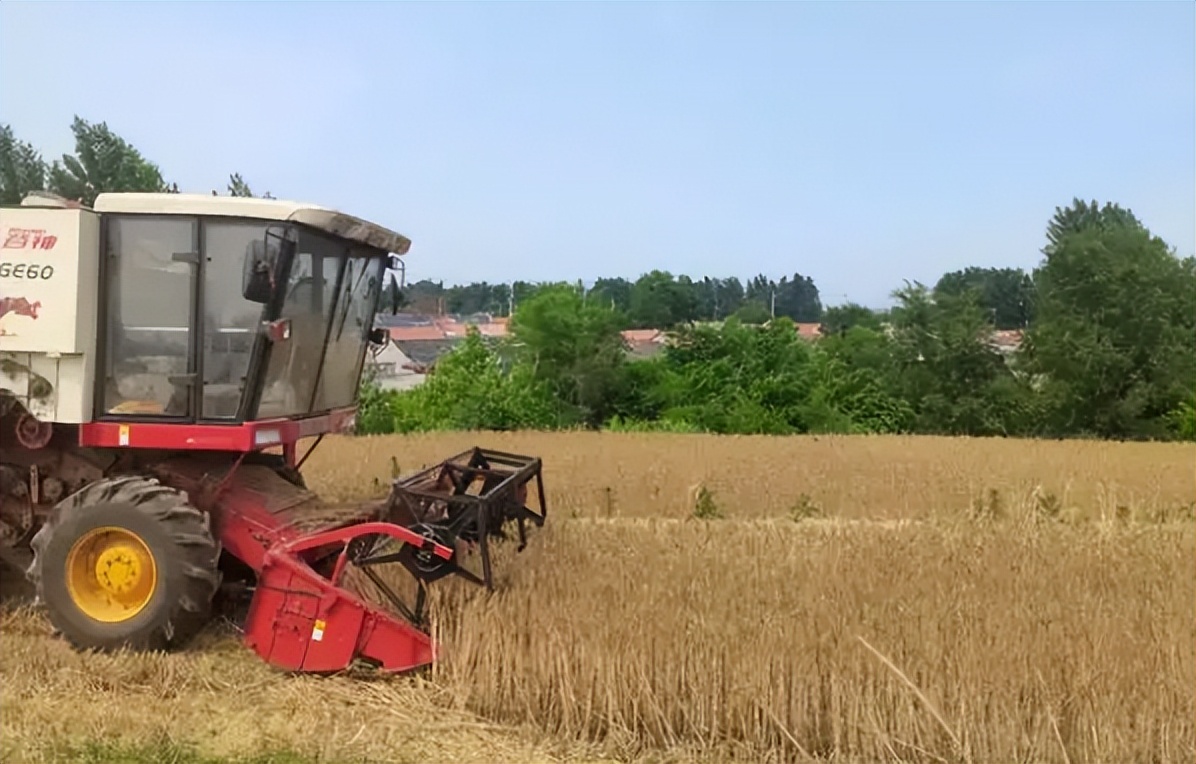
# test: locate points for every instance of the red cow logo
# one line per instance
(19, 306)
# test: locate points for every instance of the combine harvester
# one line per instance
(161, 358)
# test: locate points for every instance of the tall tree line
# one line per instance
(657, 299)
(661, 300)
(1108, 317)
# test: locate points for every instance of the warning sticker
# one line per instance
(317, 632)
(124, 434)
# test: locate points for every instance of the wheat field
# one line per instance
(700, 598)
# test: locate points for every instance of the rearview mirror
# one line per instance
(257, 275)
(260, 268)
(399, 267)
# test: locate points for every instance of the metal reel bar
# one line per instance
(440, 497)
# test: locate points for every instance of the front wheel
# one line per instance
(126, 562)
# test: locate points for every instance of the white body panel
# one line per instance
(49, 284)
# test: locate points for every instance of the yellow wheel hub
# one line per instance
(111, 574)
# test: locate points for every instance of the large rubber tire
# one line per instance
(180, 540)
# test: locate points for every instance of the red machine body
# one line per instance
(140, 406)
(301, 616)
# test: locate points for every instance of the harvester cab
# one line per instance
(163, 358)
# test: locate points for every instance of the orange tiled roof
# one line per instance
(641, 335)
(416, 333)
(809, 330)
(493, 329)
(444, 329)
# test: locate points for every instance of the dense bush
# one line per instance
(1182, 420)
(469, 390)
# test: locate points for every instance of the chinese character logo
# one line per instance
(29, 238)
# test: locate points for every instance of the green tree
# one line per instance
(22, 168)
(425, 295)
(522, 291)
(798, 298)
(659, 301)
(1083, 216)
(238, 187)
(950, 374)
(500, 299)
(1007, 293)
(734, 378)
(467, 390)
(855, 388)
(718, 298)
(478, 297)
(753, 312)
(838, 319)
(573, 346)
(614, 293)
(1116, 312)
(103, 161)
(1182, 419)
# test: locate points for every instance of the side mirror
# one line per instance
(379, 336)
(257, 273)
(395, 284)
(398, 266)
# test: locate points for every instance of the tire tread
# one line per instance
(188, 528)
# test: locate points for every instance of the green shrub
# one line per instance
(467, 390)
(1182, 420)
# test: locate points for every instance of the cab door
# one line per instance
(148, 325)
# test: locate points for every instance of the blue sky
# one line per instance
(858, 143)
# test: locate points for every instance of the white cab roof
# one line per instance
(320, 218)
